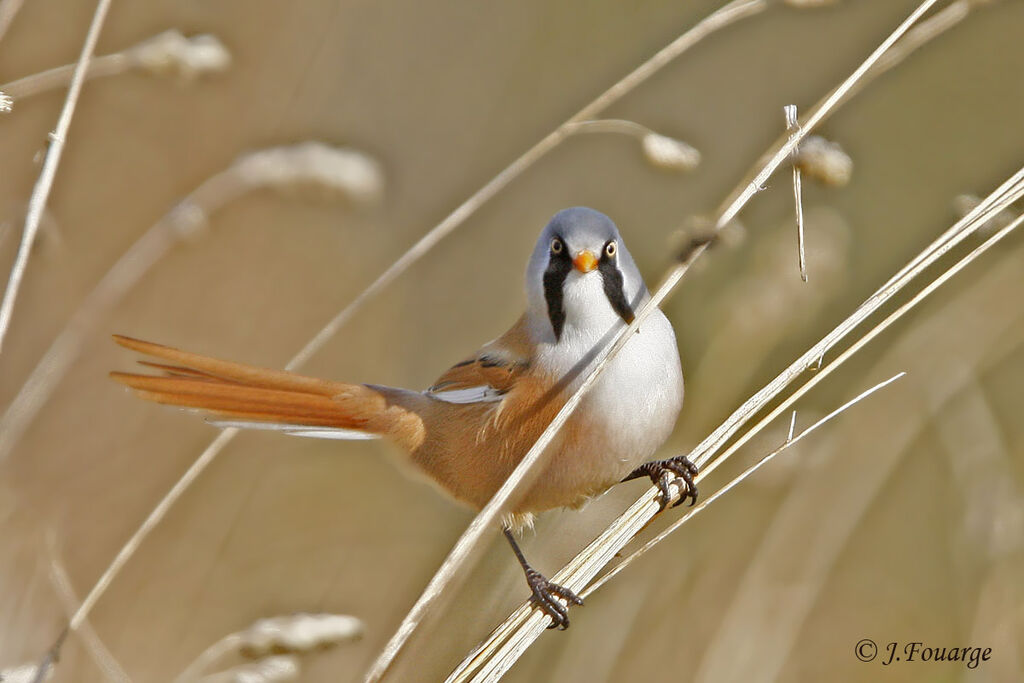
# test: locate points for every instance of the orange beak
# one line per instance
(585, 261)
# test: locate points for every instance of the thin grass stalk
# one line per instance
(154, 518)
(107, 663)
(620, 126)
(26, 86)
(166, 53)
(212, 654)
(791, 439)
(468, 544)
(721, 18)
(1007, 193)
(791, 123)
(485, 520)
(824, 372)
(8, 9)
(178, 225)
(246, 174)
(507, 643)
(847, 354)
(821, 521)
(818, 115)
(917, 37)
(41, 191)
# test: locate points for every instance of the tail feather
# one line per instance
(239, 373)
(176, 370)
(273, 399)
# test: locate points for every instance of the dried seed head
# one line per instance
(669, 153)
(5, 102)
(26, 673)
(824, 161)
(314, 165)
(810, 4)
(269, 670)
(298, 633)
(171, 53)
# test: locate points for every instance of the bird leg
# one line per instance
(545, 593)
(678, 470)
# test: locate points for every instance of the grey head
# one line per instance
(581, 275)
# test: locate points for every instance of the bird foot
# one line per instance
(678, 470)
(545, 596)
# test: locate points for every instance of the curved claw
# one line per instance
(545, 596)
(678, 470)
(686, 471)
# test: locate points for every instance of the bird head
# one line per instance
(581, 275)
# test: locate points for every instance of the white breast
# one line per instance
(633, 407)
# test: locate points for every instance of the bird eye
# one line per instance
(610, 249)
(557, 246)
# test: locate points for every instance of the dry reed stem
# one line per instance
(339, 170)
(508, 642)
(458, 558)
(818, 114)
(963, 203)
(41, 191)
(51, 79)
(927, 30)
(44, 669)
(817, 519)
(986, 549)
(721, 18)
(1006, 194)
(485, 521)
(154, 518)
(167, 52)
(8, 8)
(725, 16)
(848, 353)
(106, 661)
(659, 150)
(791, 125)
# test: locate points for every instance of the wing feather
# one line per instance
(488, 375)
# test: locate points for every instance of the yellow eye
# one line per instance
(556, 246)
(610, 249)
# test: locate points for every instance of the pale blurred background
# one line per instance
(901, 521)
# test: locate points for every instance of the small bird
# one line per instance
(473, 426)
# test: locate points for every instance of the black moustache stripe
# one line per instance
(558, 269)
(611, 277)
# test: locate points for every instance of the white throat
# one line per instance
(590, 322)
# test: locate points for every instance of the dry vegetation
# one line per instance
(900, 521)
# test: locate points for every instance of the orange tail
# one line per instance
(274, 397)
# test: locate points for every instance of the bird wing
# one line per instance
(489, 374)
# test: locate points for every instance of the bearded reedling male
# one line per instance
(473, 426)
